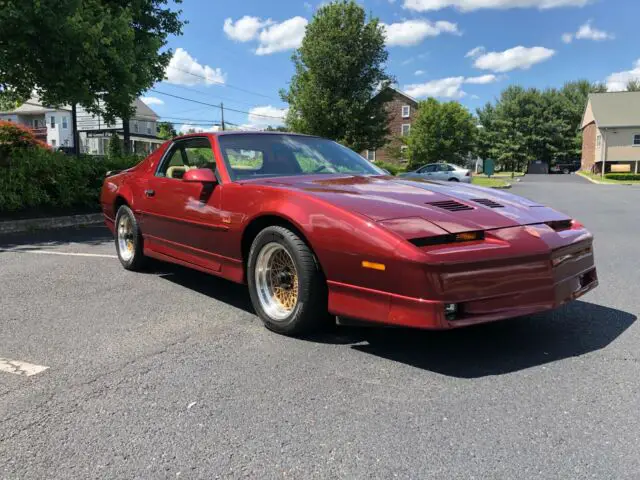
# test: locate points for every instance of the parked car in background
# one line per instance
(441, 171)
(565, 167)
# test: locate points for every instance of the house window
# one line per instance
(135, 126)
(64, 122)
(636, 140)
(403, 152)
(406, 111)
(148, 128)
(406, 127)
(598, 141)
(371, 155)
(53, 121)
(53, 143)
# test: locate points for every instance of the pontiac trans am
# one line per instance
(318, 232)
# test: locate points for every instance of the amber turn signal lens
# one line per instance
(467, 237)
(374, 266)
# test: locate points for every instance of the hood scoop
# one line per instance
(450, 205)
(487, 203)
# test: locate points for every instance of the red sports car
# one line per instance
(315, 229)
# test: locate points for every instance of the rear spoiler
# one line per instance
(111, 173)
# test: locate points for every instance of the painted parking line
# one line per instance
(20, 368)
(68, 254)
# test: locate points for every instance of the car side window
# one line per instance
(186, 155)
(428, 169)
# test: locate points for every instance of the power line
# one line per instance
(218, 82)
(209, 94)
(213, 105)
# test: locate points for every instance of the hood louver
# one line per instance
(450, 205)
(487, 203)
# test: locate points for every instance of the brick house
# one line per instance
(401, 111)
(611, 132)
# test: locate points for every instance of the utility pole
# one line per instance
(74, 130)
(222, 114)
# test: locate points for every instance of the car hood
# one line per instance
(453, 207)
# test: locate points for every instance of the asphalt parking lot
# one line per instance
(168, 374)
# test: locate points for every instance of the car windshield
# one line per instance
(273, 155)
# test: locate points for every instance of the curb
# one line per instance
(606, 183)
(14, 226)
(592, 180)
(506, 187)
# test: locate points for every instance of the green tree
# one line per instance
(441, 132)
(337, 90)
(114, 149)
(633, 85)
(100, 54)
(166, 130)
(9, 99)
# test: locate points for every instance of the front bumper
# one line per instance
(482, 294)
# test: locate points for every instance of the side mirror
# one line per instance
(200, 175)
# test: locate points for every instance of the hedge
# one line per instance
(392, 168)
(622, 176)
(38, 180)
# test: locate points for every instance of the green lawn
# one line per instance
(597, 177)
(492, 182)
(502, 174)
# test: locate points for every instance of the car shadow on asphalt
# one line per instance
(492, 349)
(503, 347)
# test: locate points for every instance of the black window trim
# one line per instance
(179, 141)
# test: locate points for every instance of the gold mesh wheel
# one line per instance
(126, 245)
(277, 281)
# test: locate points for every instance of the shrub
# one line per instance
(15, 136)
(392, 168)
(40, 180)
(622, 176)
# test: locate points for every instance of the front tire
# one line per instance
(128, 240)
(453, 179)
(286, 285)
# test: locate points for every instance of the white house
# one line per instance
(51, 125)
(95, 133)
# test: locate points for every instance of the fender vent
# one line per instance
(487, 203)
(451, 205)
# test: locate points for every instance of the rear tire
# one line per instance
(453, 179)
(286, 285)
(128, 240)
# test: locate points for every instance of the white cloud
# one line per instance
(447, 87)
(197, 128)
(282, 36)
(470, 5)
(245, 28)
(587, 32)
(617, 82)
(515, 58)
(482, 80)
(308, 6)
(265, 115)
(475, 52)
(412, 32)
(475, 97)
(152, 100)
(419, 72)
(444, 87)
(183, 69)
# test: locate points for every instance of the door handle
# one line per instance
(149, 193)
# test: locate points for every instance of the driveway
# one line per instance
(168, 374)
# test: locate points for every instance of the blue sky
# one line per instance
(239, 52)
